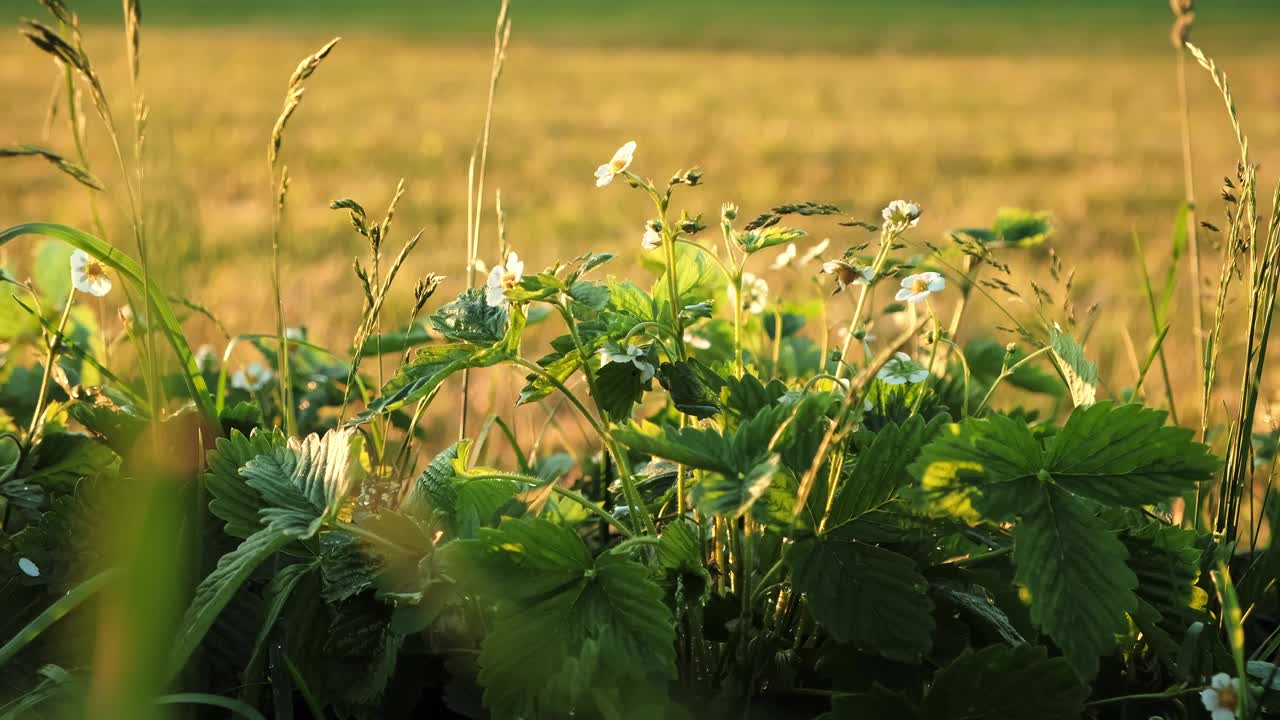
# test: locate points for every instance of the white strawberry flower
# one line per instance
(755, 293)
(697, 342)
(915, 288)
(785, 257)
(847, 273)
(503, 277)
(1222, 697)
(28, 568)
(89, 275)
(901, 370)
(900, 215)
(251, 378)
(633, 354)
(620, 162)
(815, 252)
(652, 239)
(205, 358)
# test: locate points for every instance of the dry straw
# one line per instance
(280, 189)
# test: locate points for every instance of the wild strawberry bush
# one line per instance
(770, 520)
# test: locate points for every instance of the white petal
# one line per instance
(815, 251)
(28, 568)
(916, 298)
(937, 284)
(1223, 714)
(1209, 698)
(238, 381)
(604, 171)
(902, 356)
(603, 180)
(651, 240)
(1220, 681)
(903, 294)
(624, 156)
(646, 370)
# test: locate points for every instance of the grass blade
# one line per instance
(55, 612)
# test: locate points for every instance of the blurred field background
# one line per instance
(965, 107)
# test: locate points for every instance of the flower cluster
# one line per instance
(899, 216)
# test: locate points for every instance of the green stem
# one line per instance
(1007, 372)
(933, 355)
(886, 244)
(1166, 695)
(54, 343)
(54, 613)
(632, 494)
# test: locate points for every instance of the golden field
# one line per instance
(1095, 140)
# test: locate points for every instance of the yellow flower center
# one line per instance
(617, 165)
(94, 270)
(509, 280)
(1228, 699)
(919, 285)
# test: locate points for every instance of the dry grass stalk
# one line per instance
(475, 182)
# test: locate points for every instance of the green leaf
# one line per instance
(696, 280)
(700, 448)
(460, 504)
(1080, 374)
(559, 365)
(303, 484)
(1125, 455)
(1166, 562)
(435, 363)
(975, 601)
(216, 590)
(1074, 571)
(234, 501)
(1022, 228)
(629, 299)
(618, 388)
(278, 590)
(567, 628)
(1072, 565)
(757, 240)
(981, 468)
(747, 396)
(470, 319)
(680, 548)
(1018, 682)
(62, 459)
(880, 469)
(694, 387)
(866, 595)
(590, 295)
(732, 495)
